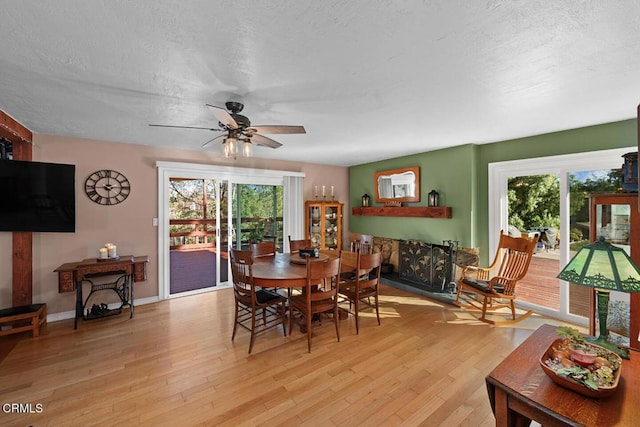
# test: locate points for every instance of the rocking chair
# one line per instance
(492, 288)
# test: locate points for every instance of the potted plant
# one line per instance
(256, 234)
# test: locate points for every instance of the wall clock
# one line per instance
(107, 187)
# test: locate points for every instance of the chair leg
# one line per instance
(357, 314)
(283, 313)
(290, 318)
(308, 319)
(336, 321)
(235, 323)
(377, 310)
(253, 329)
(484, 309)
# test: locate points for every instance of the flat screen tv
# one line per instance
(37, 196)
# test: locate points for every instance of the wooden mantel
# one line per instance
(410, 211)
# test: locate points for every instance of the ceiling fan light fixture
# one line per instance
(230, 147)
(247, 149)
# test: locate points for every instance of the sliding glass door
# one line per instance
(203, 210)
(197, 239)
(257, 214)
(547, 197)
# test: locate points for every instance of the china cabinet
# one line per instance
(323, 224)
(616, 218)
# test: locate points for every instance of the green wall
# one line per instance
(460, 174)
(451, 172)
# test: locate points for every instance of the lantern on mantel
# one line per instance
(365, 200)
(433, 198)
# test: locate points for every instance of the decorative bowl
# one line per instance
(548, 366)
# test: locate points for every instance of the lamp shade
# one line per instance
(247, 149)
(604, 266)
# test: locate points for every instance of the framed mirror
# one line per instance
(398, 185)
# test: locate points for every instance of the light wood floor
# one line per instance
(174, 364)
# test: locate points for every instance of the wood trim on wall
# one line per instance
(21, 139)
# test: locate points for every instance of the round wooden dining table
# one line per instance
(281, 271)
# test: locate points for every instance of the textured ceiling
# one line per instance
(368, 79)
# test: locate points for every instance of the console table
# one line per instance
(520, 391)
(127, 268)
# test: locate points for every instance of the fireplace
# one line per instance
(428, 266)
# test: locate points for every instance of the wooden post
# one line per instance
(21, 139)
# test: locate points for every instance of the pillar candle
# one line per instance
(103, 253)
(112, 251)
(323, 193)
(332, 191)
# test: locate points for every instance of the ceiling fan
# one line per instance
(238, 128)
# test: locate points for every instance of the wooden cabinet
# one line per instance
(323, 224)
(616, 218)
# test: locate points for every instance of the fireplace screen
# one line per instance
(428, 265)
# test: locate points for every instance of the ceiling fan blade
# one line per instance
(211, 140)
(223, 116)
(264, 141)
(280, 129)
(188, 127)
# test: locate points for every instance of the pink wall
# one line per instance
(129, 224)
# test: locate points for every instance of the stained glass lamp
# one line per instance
(606, 268)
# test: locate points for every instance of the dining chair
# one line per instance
(249, 300)
(267, 248)
(362, 283)
(296, 245)
(319, 296)
(361, 242)
(488, 289)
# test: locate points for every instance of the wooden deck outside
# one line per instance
(540, 286)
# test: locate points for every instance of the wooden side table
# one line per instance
(520, 391)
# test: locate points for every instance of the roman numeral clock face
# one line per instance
(107, 187)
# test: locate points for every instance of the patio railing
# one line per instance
(190, 234)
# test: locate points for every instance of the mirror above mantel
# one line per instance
(398, 185)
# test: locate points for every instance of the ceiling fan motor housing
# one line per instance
(233, 106)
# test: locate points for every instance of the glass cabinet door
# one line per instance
(613, 222)
(315, 225)
(331, 217)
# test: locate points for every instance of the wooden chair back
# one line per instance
(242, 275)
(512, 261)
(368, 263)
(324, 275)
(267, 248)
(296, 245)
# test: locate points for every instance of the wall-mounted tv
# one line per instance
(36, 196)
